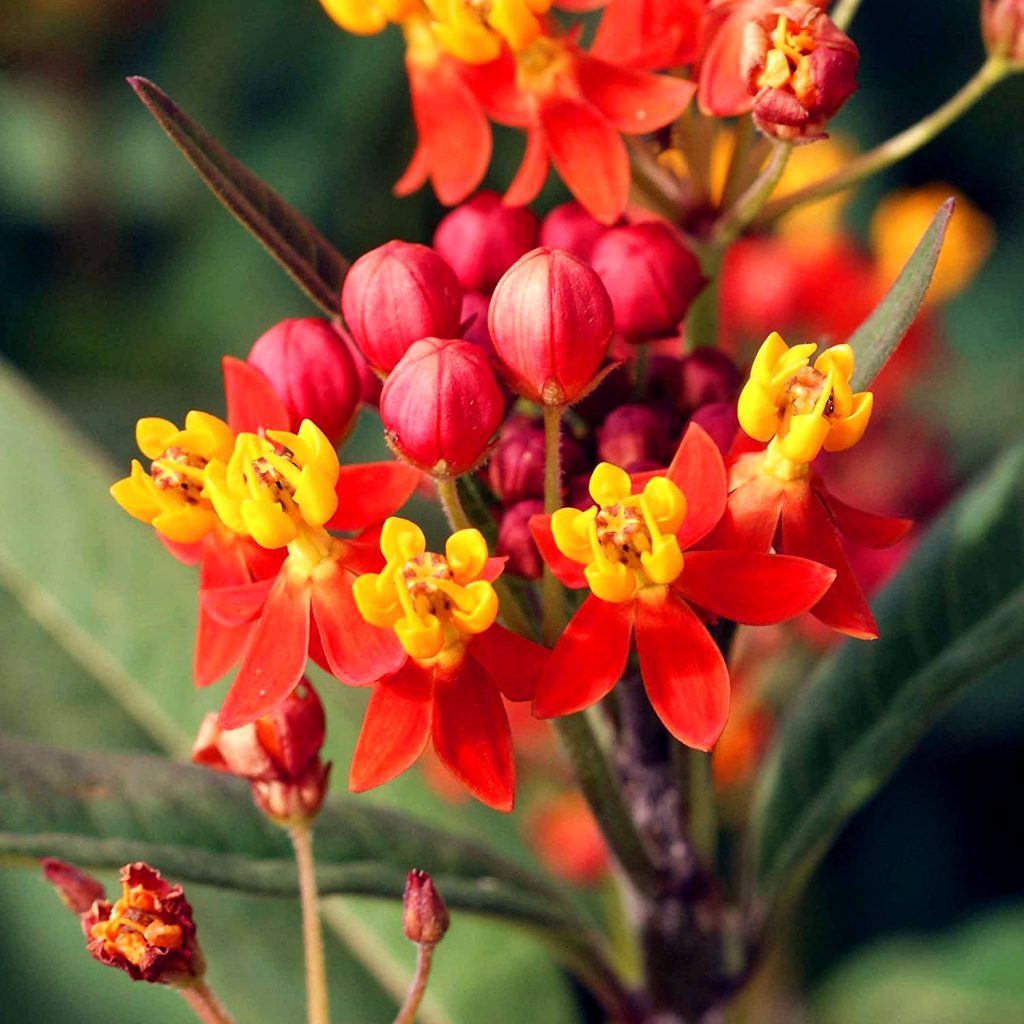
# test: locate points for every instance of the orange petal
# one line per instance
(253, 404)
(698, 471)
(513, 662)
(867, 528)
(369, 493)
(633, 101)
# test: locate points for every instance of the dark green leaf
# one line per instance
(876, 339)
(317, 267)
(955, 612)
(103, 810)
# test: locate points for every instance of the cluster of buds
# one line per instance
(148, 932)
(278, 755)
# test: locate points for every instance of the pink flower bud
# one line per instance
(424, 915)
(1002, 25)
(516, 468)
(309, 366)
(570, 227)
(551, 322)
(707, 375)
(278, 754)
(651, 277)
(800, 68)
(638, 437)
(441, 406)
(397, 294)
(516, 541)
(78, 890)
(483, 237)
(720, 422)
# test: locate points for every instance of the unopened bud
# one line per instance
(278, 754)
(516, 541)
(651, 278)
(483, 237)
(310, 368)
(638, 437)
(396, 294)
(720, 422)
(78, 890)
(424, 915)
(800, 68)
(441, 406)
(551, 322)
(1002, 25)
(571, 227)
(148, 933)
(707, 375)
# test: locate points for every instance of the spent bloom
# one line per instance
(776, 499)
(628, 548)
(442, 608)
(424, 915)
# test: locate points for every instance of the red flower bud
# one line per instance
(571, 228)
(707, 375)
(78, 891)
(516, 541)
(551, 322)
(516, 467)
(424, 915)
(638, 437)
(309, 366)
(483, 237)
(474, 321)
(1002, 25)
(148, 933)
(800, 68)
(441, 406)
(651, 277)
(397, 294)
(278, 754)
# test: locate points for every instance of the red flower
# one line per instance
(632, 545)
(575, 109)
(459, 666)
(649, 34)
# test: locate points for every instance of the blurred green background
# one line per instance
(122, 282)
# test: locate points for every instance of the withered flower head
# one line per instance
(424, 915)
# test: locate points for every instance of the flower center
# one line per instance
(622, 534)
(424, 576)
(539, 65)
(803, 390)
(135, 926)
(791, 44)
(180, 472)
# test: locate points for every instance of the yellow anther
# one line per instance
(474, 31)
(802, 409)
(626, 540)
(433, 602)
(368, 17)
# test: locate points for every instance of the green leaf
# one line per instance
(316, 266)
(955, 612)
(969, 974)
(104, 810)
(876, 339)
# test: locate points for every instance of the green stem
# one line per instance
(552, 600)
(317, 1011)
(742, 166)
(448, 492)
(418, 988)
(898, 147)
(694, 136)
(843, 13)
(702, 319)
(594, 774)
(703, 814)
(641, 370)
(750, 203)
(204, 1002)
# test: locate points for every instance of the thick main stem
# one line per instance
(204, 1003)
(418, 988)
(317, 1011)
(898, 147)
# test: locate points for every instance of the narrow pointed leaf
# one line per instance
(101, 810)
(316, 266)
(876, 339)
(953, 614)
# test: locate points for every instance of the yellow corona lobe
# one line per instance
(474, 31)
(368, 17)
(172, 495)
(433, 602)
(801, 409)
(271, 487)
(625, 541)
